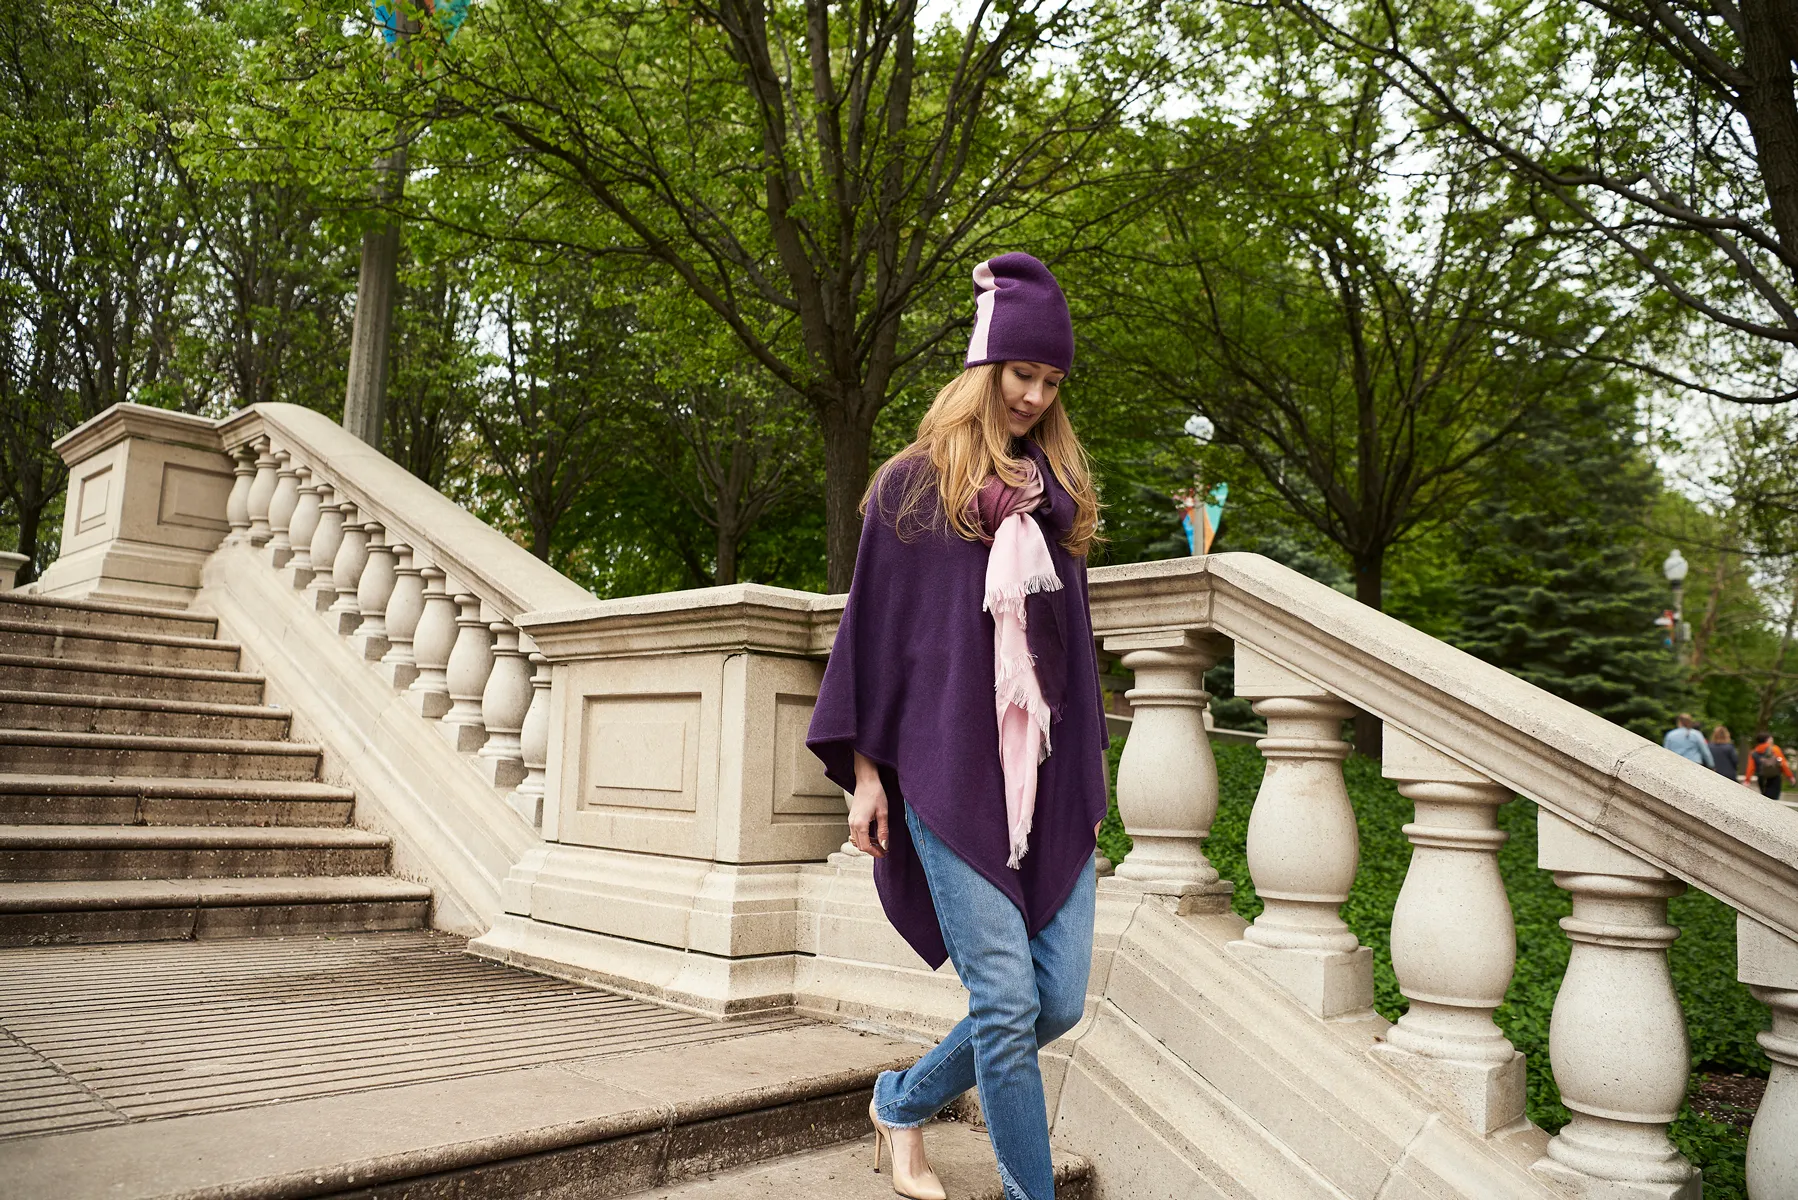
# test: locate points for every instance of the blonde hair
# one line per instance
(963, 437)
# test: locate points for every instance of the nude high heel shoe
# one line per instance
(913, 1187)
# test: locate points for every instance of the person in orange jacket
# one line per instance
(1767, 766)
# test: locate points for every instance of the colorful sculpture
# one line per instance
(1200, 520)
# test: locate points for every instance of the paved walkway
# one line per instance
(105, 1035)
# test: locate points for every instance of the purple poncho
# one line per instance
(910, 685)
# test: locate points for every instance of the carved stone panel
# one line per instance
(93, 503)
(640, 752)
(194, 497)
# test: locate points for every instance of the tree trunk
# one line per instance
(848, 442)
(30, 517)
(1707, 628)
(1370, 586)
(365, 398)
(726, 571)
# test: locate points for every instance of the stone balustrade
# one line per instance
(422, 591)
(1624, 826)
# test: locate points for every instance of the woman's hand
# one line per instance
(869, 808)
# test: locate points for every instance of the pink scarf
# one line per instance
(1018, 565)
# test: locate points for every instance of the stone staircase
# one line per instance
(147, 793)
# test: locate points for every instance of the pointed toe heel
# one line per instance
(924, 1186)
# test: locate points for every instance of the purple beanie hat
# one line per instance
(1020, 314)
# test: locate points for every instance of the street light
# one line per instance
(1675, 568)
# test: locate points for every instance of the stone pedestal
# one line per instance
(680, 800)
(150, 496)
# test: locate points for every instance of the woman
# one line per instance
(1723, 754)
(961, 707)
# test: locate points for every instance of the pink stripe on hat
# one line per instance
(984, 296)
(1020, 314)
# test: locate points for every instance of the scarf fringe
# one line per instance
(1020, 843)
(1009, 601)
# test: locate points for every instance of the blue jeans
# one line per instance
(1023, 992)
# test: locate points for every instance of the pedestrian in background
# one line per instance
(1684, 740)
(1723, 754)
(1770, 767)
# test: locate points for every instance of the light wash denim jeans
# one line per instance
(1023, 992)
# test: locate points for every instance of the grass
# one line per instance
(1721, 1016)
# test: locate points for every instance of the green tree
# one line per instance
(1555, 588)
(820, 178)
(1661, 140)
(94, 243)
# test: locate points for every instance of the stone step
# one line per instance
(41, 673)
(961, 1155)
(77, 852)
(29, 751)
(115, 646)
(76, 712)
(141, 910)
(29, 799)
(94, 614)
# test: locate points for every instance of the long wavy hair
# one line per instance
(963, 438)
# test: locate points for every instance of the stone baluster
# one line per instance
(1617, 1039)
(1768, 963)
(404, 607)
(1454, 944)
(533, 740)
(300, 529)
(1167, 778)
(505, 702)
(237, 504)
(346, 572)
(432, 643)
(262, 490)
(325, 540)
(1303, 845)
(281, 507)
(470, 662)
(373, 591)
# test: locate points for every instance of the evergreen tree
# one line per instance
(1557, 592)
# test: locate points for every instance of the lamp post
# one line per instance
(1675, 568)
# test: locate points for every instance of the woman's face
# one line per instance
(1029, 389)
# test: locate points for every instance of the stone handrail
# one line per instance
(1686, 820)
(484, 560)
